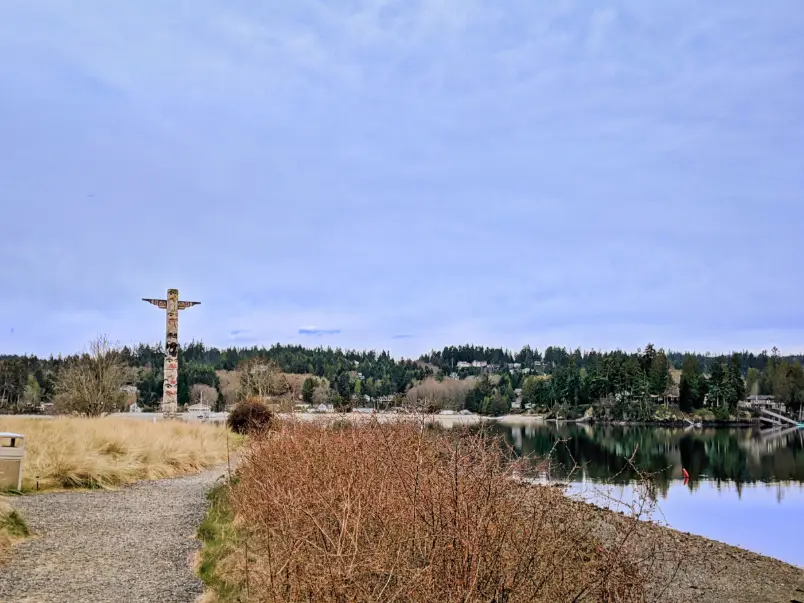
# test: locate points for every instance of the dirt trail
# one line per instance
(134, 544)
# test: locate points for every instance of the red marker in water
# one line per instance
(686, 475)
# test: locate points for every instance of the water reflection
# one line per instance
(601, 452)
(744, 488)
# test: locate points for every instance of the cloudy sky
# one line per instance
(403, 175)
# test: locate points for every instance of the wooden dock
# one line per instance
(778, 419)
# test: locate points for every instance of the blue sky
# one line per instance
(403, 175)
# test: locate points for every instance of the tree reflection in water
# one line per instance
(601, 452)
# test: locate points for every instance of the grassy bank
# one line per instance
(386, 512)
(12, 528)
(222, 550)
(109, 452)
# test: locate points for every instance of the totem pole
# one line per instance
(171, 305)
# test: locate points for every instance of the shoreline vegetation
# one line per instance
(379, 510)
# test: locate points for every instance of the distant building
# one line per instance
(479, 364)
(463, 365)
(758, 402)
(200, 411)
(514, 366)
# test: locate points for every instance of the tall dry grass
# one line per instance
(108, 452)
(12, 528)
(392, 512)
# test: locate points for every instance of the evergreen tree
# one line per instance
(308, 387)
(686, 394)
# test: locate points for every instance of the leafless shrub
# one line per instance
(393, 512)
(92, 384)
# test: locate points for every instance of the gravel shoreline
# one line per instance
(135, 544)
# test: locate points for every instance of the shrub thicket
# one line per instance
(393, 512)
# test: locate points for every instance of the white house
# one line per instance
(758, 402)
(199, 410)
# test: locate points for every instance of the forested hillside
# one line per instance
(617, 384)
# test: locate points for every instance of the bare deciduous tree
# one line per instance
(92, 383)
(203, 393)
(262, 378)
(230, 386)
(449, 394)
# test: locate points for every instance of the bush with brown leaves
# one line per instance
(393, 512)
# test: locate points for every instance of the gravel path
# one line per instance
(134, 544)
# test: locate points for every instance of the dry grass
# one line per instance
(12, 528)
(109, 452)
(392, 512)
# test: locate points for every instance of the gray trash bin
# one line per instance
(12, 450)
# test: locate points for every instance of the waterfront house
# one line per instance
(758, 402)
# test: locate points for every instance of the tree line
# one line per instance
(27, 381)
(557, 357)
(616, 385)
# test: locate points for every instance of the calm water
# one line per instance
(746, 486)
